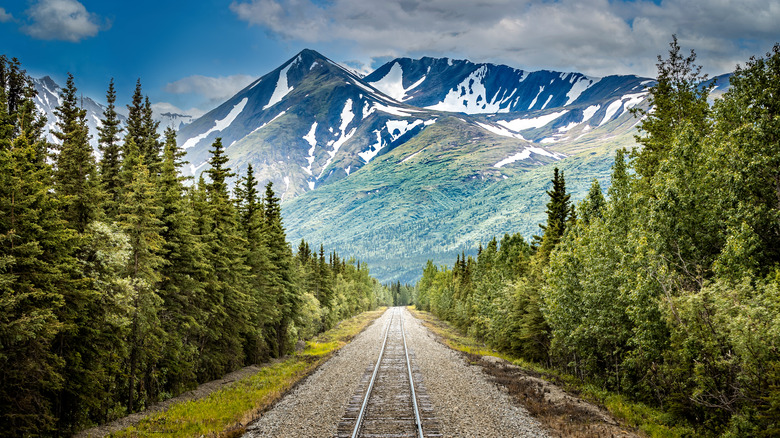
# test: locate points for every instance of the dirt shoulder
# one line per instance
(563, 414)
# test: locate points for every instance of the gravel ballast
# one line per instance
(465, 402)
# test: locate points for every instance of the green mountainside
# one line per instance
(439, 194)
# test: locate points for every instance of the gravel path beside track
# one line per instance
(465, 402)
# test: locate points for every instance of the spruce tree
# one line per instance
(151, 147)
(229, 319)
(110, 162)
(139, 215)
(261, 309)
(558, 211)
(35, 256)
(677, 97)
(282, 285)
(180, 288)
(594, 204)
(135, 117)
(75, 173)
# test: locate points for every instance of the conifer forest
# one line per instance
(122, 284)
(667, 289)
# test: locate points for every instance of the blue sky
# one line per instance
(191, 55)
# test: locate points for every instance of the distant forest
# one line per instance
(667, 290)
(121, 284)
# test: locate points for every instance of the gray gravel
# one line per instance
(314, 408)
(466, 403)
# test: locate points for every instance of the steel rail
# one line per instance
(411, 381)
(359, 420)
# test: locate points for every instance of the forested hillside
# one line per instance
(667, 290)
(120, 285)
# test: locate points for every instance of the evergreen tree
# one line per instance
(281, 287)
(227, 289)
(183, 310)
(110, 163)
(135, 117)
(261, 309)
(593, 204)
(75, 171)
(35, 255)
(151, 147)
(677, 96)
(558, 211)
(139, 217)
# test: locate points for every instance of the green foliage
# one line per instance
(665, 293)
(110, 163)
(104, 314)
(75, 173)
(34, 253)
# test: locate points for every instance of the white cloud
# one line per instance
(66, 20)
(597, 37)
(5, 17)
(214, 89)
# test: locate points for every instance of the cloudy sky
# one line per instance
(193, 55)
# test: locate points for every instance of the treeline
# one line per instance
(668, 289)
(121, 285)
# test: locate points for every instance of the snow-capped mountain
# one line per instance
(462, 86)
(48, 98)
(307, 123)
(311, 121)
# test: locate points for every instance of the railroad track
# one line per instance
(391, 401)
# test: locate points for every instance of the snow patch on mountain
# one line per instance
(536, 122)
(547, 102)
(281, 89)
(268, 122)
(394, 110)
(632, 100)
(500, 131)
(347, 115)
(411, 156)
(533, 102)
(219, 125)
(312, 140)
(470, 96)
(526, 154)
(374, 149)
(577, 89)
(611, 110)
(589, 112)
(522, 155)
(392, 84)
(402, 126)
(568, 127)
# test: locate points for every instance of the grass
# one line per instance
(227, 412)
(645, 420)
